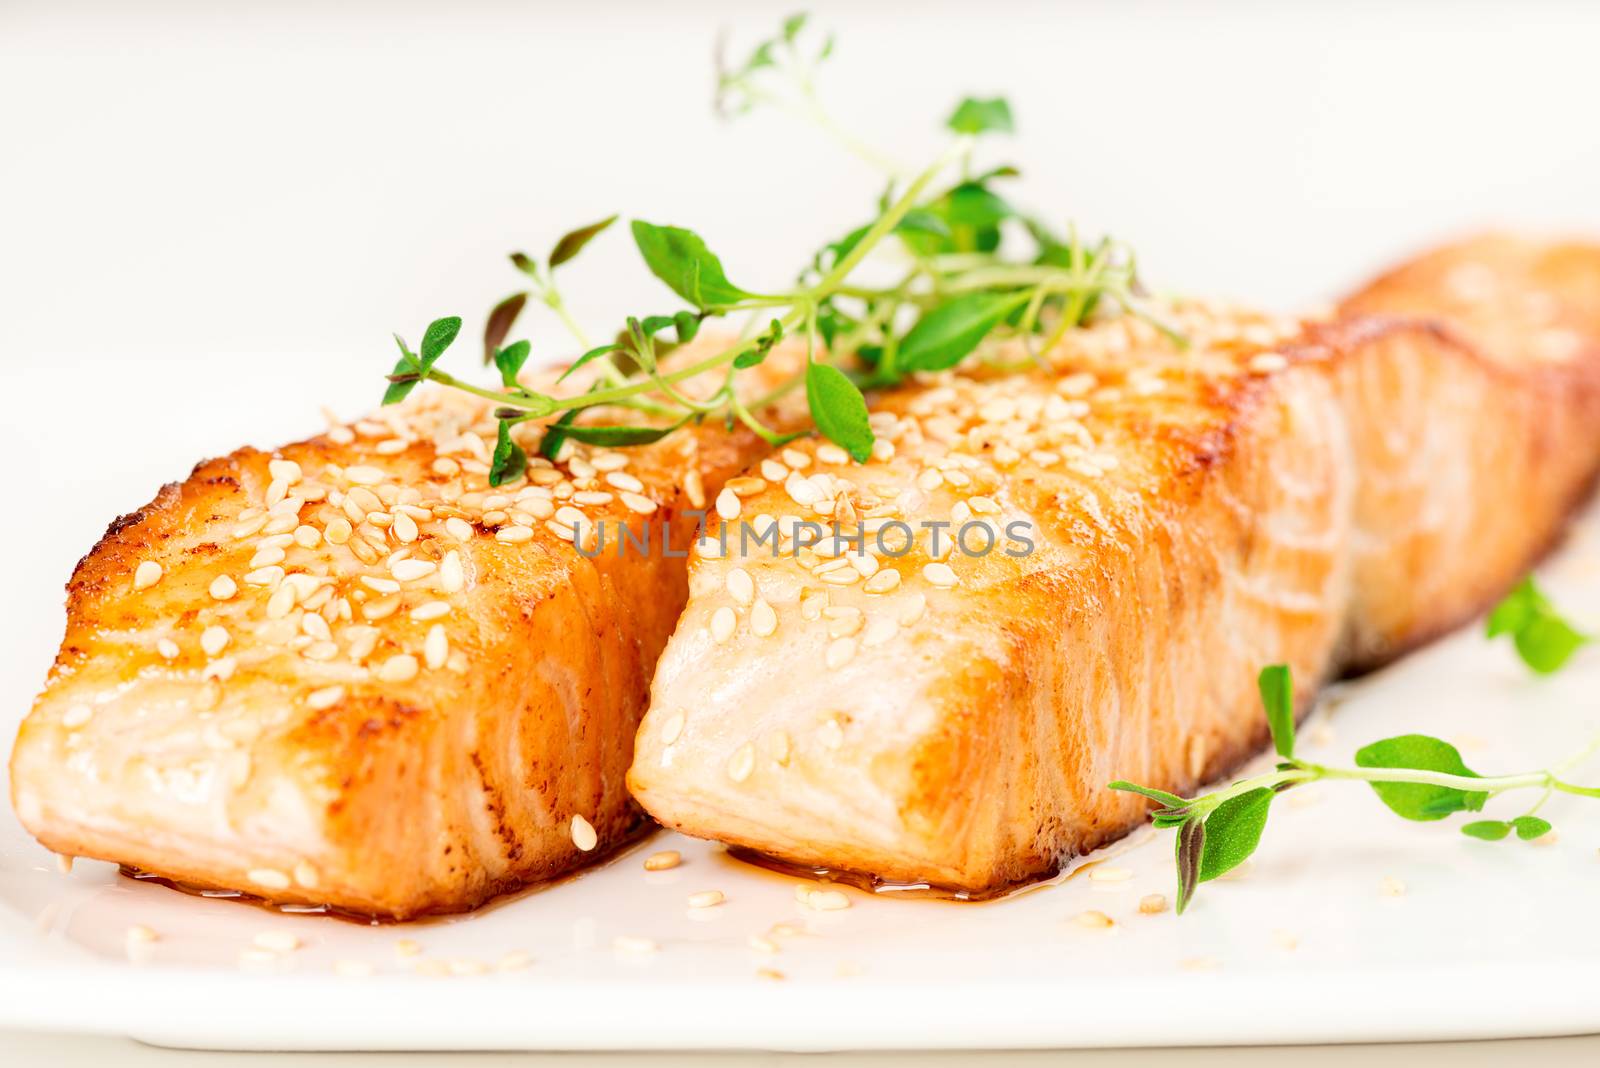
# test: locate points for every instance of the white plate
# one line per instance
(1488, 939)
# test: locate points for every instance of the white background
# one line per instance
(212, 215)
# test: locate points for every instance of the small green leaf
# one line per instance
(1547, 643)
(1543, 639)
(1530, 827)
(555, 435)
(793, 25)
(948, 333)
(1169, 800)
(525, 263)
(509, 458)
(971, 204)
(619, 435)
(592, 354)
(509, 361)
(839, 410)
(437, 338)
(1488, 830)
(680, 259)
(1190, 848)
(977, 116)
(1418, 801)
(1233, 831)
(918, 221)
(1276, 684)
(501, 319)
(764, 344)
(686, 324)
(572, 243)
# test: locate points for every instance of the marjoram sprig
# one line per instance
(959, 283)
(1416, 776)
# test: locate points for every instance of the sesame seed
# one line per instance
(583, 834)
(307, 537)
(458, 528)
(1093, 919)
(671, 727)
(412, 570)
(742, 763)
(778, 747)
(880, 632)
(139, 934)
(883, 581)
(436, 647)
(706, 899)
(265, 576)
(399, 668)
(266, 556)
(405, 528)
(728, 504)
(382, 608)
(939, 574)
(271, 878)
(406, 947)
(147, 574)
(841, 652)
(639, 504)
(213, 640)
(362, 475)
(286, 471)
(802, 490)
(281, 603)
(76, 716)
(221, 669)
(167, 648)
(1151, 904)
(623, 481)
(741, 587)
(305, 875)
(762, 945)
(517, 535)
(1102, 874)
(723, 622)
(430, 610)
(830, 453)
(1392, 887)
(796, 459)
(379, 584)
(338, 530)
(827, 900)
(223, 587)
(662, 861)
(773, 471)
(276, 941)
(631, 945)
(763, 620)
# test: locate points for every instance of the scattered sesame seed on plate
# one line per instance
(664, 860)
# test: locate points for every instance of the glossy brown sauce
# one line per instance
(634, 839)
(872, 884)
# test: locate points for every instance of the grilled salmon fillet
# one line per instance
(350, 672)
(1145, 529)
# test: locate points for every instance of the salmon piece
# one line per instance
(1322, 494)
(351, 673)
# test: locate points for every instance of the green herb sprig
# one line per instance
(1416, 776)
(959, 283)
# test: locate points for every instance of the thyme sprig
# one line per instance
(1416, 776)
(960, 280)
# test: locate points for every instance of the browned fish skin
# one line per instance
(405, 687)
(1326, 496)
